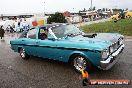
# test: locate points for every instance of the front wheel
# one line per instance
(79, 62)
(23, 54)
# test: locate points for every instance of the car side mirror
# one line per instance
(53, 39)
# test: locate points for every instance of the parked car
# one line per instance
(128, 14)
(116, 17)
(67, 43)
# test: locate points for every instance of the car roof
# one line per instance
(47, 26)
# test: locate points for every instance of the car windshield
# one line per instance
(66, 30)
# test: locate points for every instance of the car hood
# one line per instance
(112, 37)
(99, 42)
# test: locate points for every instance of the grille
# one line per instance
(114, 47)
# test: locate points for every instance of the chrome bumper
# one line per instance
(112, 59)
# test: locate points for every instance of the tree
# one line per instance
(106, 9)
(84, 9)
(109, 9)
(94, 8)
(99, 10)
(103, 9)
(89, 9)
(126, 9)
(122, 15)
(57, 18)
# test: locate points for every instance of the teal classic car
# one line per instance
(67, 43)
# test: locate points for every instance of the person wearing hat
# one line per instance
(2, 31)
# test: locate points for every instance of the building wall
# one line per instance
(3, 18)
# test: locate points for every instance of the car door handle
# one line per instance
(23, 40)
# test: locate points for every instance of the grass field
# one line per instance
(123, 26)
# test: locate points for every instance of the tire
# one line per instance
(23, 54)
(78, 62)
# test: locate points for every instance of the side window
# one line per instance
(32, 34)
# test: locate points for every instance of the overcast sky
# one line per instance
(31, 6)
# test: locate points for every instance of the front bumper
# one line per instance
(112, 59)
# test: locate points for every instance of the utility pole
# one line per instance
(44, 8)
(91, 4)
(92, 10)
(73, 11)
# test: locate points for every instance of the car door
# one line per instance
(46, 48)
(51, 48)
(30, 42)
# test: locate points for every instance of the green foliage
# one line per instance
(123, 26)
(56, 18)
(94, 8)
(103, 9)
(122, 15)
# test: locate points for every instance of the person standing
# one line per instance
(85, 77)
(25, 25)
(8, 29)
(2, 32)
(11, 29)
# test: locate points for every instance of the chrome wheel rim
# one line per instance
(22, 53)
(79, 63)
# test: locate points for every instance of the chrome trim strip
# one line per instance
(106, 61)
(113, 55)
(118, 51)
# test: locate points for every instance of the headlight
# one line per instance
(105, 54)
(111, 49)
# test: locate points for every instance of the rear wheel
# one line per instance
(79, 62)
(23, 54)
